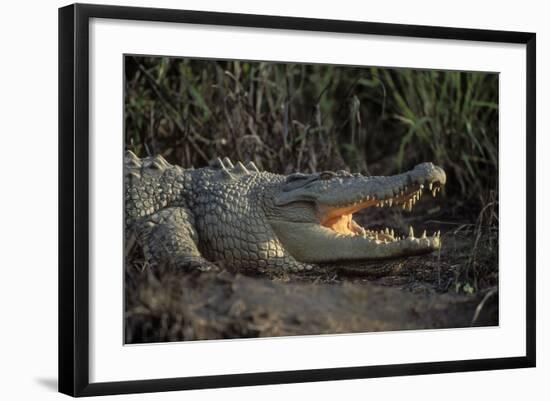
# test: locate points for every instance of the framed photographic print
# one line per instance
(250, 199)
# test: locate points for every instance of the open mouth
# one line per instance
(339, 218)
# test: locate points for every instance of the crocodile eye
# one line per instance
(327, 175)
(296, 177)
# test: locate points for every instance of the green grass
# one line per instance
(451, 117)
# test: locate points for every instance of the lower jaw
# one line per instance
(312, 243)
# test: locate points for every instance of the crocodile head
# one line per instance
(312, 214)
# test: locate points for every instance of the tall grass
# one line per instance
(451, 117)
(298, 117)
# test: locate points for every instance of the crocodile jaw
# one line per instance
(335, 236)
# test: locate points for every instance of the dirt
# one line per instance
(216, 306)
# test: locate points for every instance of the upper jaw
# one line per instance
(352, 190)
(405, 189)
(401, 189)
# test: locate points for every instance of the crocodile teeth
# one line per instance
(411, 232)
(434, 192)
(430, 186)
(390, 202)
(424, 234)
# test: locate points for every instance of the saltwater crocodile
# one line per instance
(238, 216)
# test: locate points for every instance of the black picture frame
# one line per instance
(74, 202)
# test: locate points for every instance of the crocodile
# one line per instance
(237, 216)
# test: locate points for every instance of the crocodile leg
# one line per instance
(168, 236)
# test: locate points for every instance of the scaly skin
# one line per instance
(240, 217)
